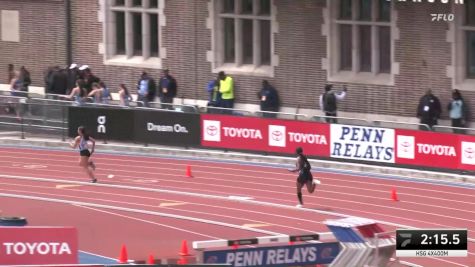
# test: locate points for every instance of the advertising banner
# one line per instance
(265, 135)
(102, 123)
(167, 128)
(436, 150)
(295, 255)
(362, 143)
(38, 245)
(427, 149)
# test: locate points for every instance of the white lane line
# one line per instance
(255, 202)
(349, 181)
(245, 221)
(168, 215)
(289, 194)
(357, 174)
(122, 195)
(93, 206)
(146, 221)
(236, 161)
(281, 186)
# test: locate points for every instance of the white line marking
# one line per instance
(255, 202)
(240, 198)
(168, 215)
(228, 174)
(328, 198)
(147, 221)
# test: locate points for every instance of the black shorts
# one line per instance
(305, 177)
(85, 153)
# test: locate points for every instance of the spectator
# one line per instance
(145, 89)
(47, 78)
(124, 95)
(328, 102)
(269, 100)
(11, 71)
(106, 94)
(429, 110)
(79, 93)
(457, 111)
(24, 79)
(226, 88)
(57, 80)
(96, 93)
(73, 76)
(214, 99)
(15, 84)
(167, 89)
(89, 77)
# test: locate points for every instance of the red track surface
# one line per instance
(103, 230)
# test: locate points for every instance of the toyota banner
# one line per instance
(265, 135)
(38, 245)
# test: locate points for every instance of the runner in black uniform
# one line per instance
(81, 142)
(305, 175)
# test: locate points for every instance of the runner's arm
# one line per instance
(75, 143)
(298, 165)
(93, 141)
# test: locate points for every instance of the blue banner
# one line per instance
(307, 254)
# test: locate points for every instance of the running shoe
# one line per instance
(299, 206)
(316, 181)
(94, 181)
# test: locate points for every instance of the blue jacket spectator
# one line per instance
(269, 99)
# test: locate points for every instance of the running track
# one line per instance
(140, 206)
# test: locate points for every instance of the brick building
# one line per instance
(387, 52)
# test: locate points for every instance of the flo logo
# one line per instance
(277, 135)
(405, 146)
(212, 131)
(468, 153)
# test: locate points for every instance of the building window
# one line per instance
(243, 35)
(133, 32)
(364, 39)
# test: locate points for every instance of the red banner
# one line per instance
(38, 245)
(436, 150)
(265, 135)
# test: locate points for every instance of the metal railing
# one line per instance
(411, 125)
(457, 130)
(62, 100)
(346, 120)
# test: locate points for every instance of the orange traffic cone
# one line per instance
(182, 261)
(188, 171)
(123, 258)
(394, 195)
(150, 260)
(184, 249)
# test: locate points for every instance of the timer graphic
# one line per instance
(431, 243)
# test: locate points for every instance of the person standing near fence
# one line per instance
(328, 102)
(167, 88)
(124, 95)
(457, 112)
(269, 99)
(226, 88)
(79, 93)
(429, 110)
